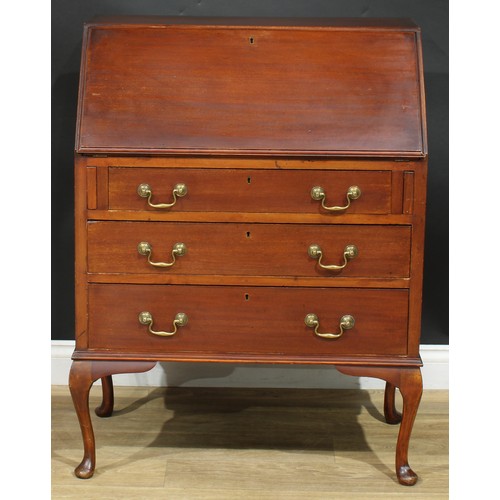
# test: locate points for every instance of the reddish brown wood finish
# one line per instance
(82, 375)
(250, 190)
(249, 249)
(91, 188)
(256, 320)
(108, 398)
(250, 114)
(273, 218)
(102, 188)
(409, 382)
(397, 192)
(270, 92)
(285, 163)
(417, 257)
(392, 416)
(81, 277)
(408, 192)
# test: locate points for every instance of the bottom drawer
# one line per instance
(247, 320)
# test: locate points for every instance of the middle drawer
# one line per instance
(249, 249)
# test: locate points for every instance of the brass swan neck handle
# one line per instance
(145, 191)
(318, 194)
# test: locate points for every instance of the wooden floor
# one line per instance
(248, 443)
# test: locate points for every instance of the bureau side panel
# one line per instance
(81, 299)
(417, 257)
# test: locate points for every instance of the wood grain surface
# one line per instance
(216, 89)
(254, 320)
(259, 191)
(249, 249)
(250, 117)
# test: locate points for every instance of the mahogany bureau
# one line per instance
(250, 191)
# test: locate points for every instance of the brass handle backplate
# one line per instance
(346, 323)
(318, 194)
(350, 252)
(145, 191)
(146, 318)
(179, 249)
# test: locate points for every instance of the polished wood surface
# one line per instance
(253, 320)
(328, 162)
(409, 383)
(276, 218)
(82, 375)
(255, 90)
(108, 397)
(249, 249)
(250, 117)
(223, 444)
(231, 190)
(392, 415)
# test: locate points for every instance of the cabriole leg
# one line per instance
(392, 416)
(108, 398)
(409, 383)
(80, 382)
(81, 377)
(410, 387)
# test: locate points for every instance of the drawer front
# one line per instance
(249, 249)
(228, 190)
(247, 320)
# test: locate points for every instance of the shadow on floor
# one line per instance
(265, 419)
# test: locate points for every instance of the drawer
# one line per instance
(249, 249)
(236, 190)
(234, 319)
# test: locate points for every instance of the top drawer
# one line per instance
(228, 190)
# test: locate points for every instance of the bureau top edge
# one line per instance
(390, 23)
(254, 154)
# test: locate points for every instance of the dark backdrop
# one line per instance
(68, 17)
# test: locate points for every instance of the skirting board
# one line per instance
(434, 373)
